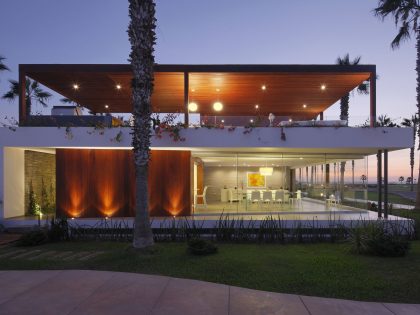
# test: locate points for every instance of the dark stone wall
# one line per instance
(40, 168)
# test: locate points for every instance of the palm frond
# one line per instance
(13, 91)
(3, 67)
(403, 35)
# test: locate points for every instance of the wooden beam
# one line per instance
(186, 97)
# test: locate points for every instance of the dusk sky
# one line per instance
(219, 32)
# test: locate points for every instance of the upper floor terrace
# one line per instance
(229, 95)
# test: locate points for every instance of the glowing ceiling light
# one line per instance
(106, 106)
(263, 87)
(118, 86)
(75, 86)
(217, 106)
(192, 107)
(251, 120)
(290, 119)
(257, 106)
(223, 121)
(304, 105)
(266, 171)
(323, 87)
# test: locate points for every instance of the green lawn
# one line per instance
(392, 198)
(328, 270)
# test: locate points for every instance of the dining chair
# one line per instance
(279, 197)
(256, 197)
(267, 197)
(203, 195)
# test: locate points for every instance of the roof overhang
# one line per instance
(238, 87)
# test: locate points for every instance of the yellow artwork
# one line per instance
(255, 180)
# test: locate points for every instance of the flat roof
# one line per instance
(238, 87)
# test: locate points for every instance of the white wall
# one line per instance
(14, 182)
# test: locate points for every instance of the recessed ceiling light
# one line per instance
(257, 106)
(192, 90)
(301, 158)
(106, 106)
(217, 106)
(75, 86)
(304, 105)
(217, 90)
(223, 120)
(290, 119)
(192, 107)
(118, 86)
(263, 87)
(251, 120)
(323, 87)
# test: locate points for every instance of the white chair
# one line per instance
(201, 196)
(337, 196)
(286, 196)
(233, 195)
(299, 198)
(256, 197)
(267, 197)
(279, 197)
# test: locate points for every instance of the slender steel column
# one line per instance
(23, 114)
(186, 97)
(379, 184)
(372, 94)
(321, 116)
(386, 184)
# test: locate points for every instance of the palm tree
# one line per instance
(406, 15)
(3, 67)
(401, 179)
(142, 36)
(385, 121)
(363, 88)
(34, 93)
(413, 123)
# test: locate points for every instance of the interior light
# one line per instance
(290, 119)
(301, 158)
(106, 106)
(266, 171)
(217, 106)
(192, 90)
(251, 120)
(323, 87)
(75, 86)
(223, 121)
(192, 107)
(263, 87)
(118, 86)
(304, 105)
(217, 90)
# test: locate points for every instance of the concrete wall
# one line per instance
(14, 182)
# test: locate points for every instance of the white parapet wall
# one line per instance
(317, 139)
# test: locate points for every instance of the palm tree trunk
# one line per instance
(417, 206)
(142, 37)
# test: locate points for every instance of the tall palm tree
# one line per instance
(34, 94)
(413, 123)
(142, 36)
(363, 88)
(406, 15)
(3, 67)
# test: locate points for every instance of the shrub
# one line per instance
(33, 238)
(201, 247)
(376, 238)
(58, 230)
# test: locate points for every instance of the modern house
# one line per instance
(240, 139)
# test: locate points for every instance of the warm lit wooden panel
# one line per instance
(101, 183)
(169, 183)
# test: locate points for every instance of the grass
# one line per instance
(328, 270)
(392, 198)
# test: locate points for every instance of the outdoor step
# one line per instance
(77, 255)
(46, 254)
(28, 253)
(90, 256)
(11, 253)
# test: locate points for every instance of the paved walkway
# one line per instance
(102, 292)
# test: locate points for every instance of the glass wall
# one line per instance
(278, 182)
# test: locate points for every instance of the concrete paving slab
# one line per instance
(124, 293)
(11, 253)
(46, 254)
(249, 302)
(191, 297)
(13, 283)
(26, 254)
(58, 295)
(403, 309)
(324, 306)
